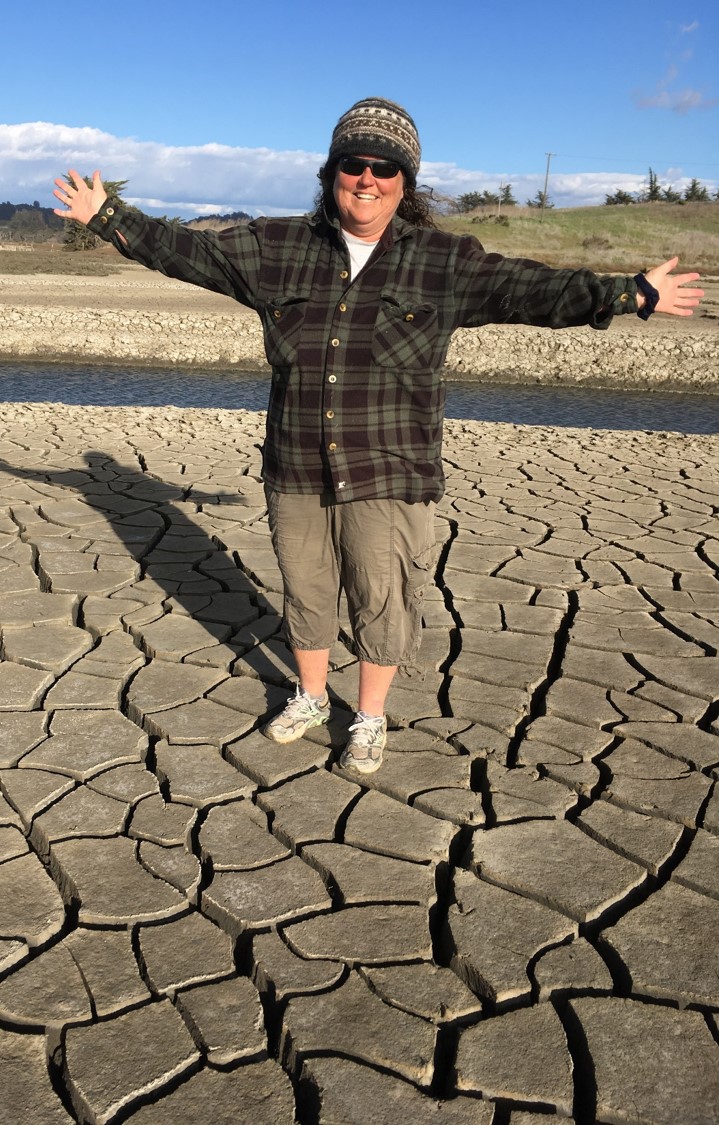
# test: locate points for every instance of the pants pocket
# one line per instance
(421, 574)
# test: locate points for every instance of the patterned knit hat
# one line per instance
(376, 127)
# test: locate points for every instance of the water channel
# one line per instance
(91, 385)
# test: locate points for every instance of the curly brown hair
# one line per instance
(415, 206)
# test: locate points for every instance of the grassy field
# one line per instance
(45, 259)
(606, 239)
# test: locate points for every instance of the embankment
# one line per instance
(145, 319)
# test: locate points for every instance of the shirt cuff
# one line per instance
(105, 222)
(621, 296)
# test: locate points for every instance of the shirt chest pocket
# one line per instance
(405, 334)
(283, 319)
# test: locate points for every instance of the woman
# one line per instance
(358, 303)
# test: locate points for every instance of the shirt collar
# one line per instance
(395, 230)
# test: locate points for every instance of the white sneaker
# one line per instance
(363, 752)
(301, 712)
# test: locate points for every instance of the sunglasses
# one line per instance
(380, 169)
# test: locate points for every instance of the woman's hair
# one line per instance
(415, 205)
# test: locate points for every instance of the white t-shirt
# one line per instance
(360, 252)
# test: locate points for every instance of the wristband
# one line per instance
(651, 297)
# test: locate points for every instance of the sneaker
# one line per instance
(301, 712)
(363, 752)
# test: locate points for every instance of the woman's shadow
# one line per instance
(201, 563)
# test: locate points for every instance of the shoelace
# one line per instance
(300, 705)
(368, 729)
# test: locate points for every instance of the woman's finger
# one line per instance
(76, 179)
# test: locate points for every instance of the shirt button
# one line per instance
(332, 446)
(277, 314)
(409, 316)
(344, 274)
(103, 218)
(343, 307)
(332, 379)
(109, 210)
(624, 297)
(330, 414)
(335, 343)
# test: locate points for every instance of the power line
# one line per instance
(641, 163)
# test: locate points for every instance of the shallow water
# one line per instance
(92, 385)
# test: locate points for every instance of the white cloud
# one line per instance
(189, 180)
(679, 101)
(199, 180)
(687, 28)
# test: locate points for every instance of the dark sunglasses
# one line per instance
(380, 169)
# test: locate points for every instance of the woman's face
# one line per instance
(366, 204)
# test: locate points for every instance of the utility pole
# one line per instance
(499, 199)
(549, 156)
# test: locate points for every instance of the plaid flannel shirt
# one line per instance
(357, 396)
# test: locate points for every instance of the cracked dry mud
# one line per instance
(515, 919)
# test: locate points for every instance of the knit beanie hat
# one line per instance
(376, 127)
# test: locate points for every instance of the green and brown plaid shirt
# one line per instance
(357, 399)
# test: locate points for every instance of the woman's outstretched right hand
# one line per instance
(80, 202)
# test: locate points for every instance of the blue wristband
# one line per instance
(651, 297)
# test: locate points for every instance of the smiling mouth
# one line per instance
(365, 196)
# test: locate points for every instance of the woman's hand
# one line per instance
(80, 201)
(673, 298)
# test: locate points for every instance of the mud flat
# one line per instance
(517, 913)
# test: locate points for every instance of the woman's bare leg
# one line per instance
(375, 681)
(312, 665)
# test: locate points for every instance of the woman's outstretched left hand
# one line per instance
(673, 297)
(80, 201)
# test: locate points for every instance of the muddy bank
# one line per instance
(140, 318)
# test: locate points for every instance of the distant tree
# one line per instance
(27, 225)
(619, 197)
(540, 200)
(669, 195)
(696, 193)
(469, 201)
(473, 199)
(653, 192)
(234, 216)
(506, 197)
(77, 236)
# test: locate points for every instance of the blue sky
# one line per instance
(226, 106)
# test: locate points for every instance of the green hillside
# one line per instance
(606, 239)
